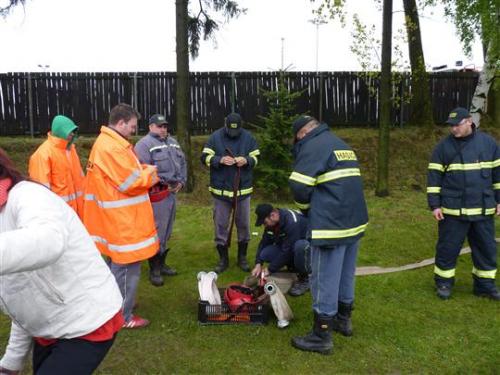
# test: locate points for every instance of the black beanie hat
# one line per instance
(300, 122)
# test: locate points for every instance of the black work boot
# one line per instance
(155, 270)
(320, 339)
(166, 270)
(300, 286)
(342, 321)
(223, 259)
(490, 292)
(242, 256)
(443, 291)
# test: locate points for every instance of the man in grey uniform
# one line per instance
(160, 149)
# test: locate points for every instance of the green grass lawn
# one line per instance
(400, 326)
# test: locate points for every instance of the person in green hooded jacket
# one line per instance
(56, 164)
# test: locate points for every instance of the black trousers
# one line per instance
(73, 356)
(481, 236)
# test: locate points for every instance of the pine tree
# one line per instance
(276, 140)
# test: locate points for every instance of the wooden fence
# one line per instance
(29, 101)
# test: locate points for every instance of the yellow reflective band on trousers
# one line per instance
(496, 186)
(467, 211)
(229, 194)
(436, 167)
(434, 189)
(303, 179)
(208, 151)
(447, 274)
(484, 274)
(340, 173)
(303, 206)
(317, 234)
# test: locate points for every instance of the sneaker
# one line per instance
(299, 288)
(494, 295)
(443, 291)
(136, 322)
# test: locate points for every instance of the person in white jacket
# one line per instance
(55, 287)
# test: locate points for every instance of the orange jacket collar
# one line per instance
(116, 136)
(57, 142)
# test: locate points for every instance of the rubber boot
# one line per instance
(223, 259)
(320, 339)
(342, 321)
(155, 270)
(242, 256)
(166, 270)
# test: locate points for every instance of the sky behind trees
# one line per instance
(133, 35)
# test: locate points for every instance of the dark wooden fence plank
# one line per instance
(348, 98)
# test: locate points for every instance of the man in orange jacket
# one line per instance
(116, 209)
(56, 165)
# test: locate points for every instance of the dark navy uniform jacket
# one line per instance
(291, 228)
(222, 177)
(464, 176)
(326, 183)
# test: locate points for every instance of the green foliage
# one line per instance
(275, 140)
(473, 18)
(366, 47)
(204, 25)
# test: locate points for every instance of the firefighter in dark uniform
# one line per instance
(326, 184)
(463, 192)
(283, 244)
(231, 154)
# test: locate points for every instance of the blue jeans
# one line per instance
(332, 278)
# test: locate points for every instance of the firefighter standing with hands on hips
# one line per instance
(463, 192)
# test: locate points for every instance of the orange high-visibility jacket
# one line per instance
(116, 207)
(60, 170)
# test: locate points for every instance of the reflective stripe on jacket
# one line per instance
(166, 154)
(326, 183)
(59, 170)
(463, 176)
(117, 211)
(222, 177)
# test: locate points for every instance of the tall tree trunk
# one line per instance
(421, 104)
(182, 87)
(480, 99)
(382, 188)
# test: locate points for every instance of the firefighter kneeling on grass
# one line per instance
(463, 193)
(283, 244)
